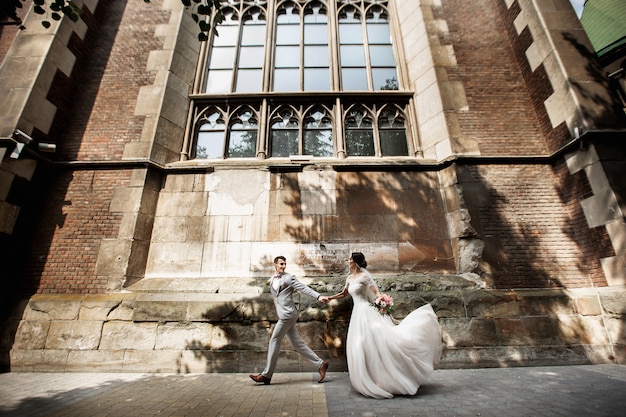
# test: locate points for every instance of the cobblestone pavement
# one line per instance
(588, 390)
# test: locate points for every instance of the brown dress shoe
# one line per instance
(322, 371)
(261, 378)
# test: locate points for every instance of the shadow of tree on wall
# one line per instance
(534, 243)
(511, 318)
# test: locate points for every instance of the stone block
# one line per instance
(582, 330)
(31, 335)
(53, 308)
(124, 335)
(613, 300)
(74, 335)
(492, 304)
(159, 311)
(38, 360)
(469, 332)
(601, 208)
(174, 259)
(248, 361)
(239, 337)
(615, 327)
(197, 361)
(124, 311)
(182, 204)
(95, 361)
(588, 306)
(157, 361)
(8, 217)
(113, 257)
(183, 336)
(217, 259)
(98, 308)
(545, 302)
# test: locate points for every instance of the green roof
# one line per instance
(605, 24)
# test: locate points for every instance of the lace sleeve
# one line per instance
(370, 282)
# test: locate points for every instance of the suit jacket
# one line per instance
(283, 299)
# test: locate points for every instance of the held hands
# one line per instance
(324, 299)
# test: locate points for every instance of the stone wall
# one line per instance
(208, 332)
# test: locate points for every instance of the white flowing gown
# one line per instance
(384, 358)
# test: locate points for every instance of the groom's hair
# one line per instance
(278, 258)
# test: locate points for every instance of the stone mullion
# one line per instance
(340, 143)
(261, 152)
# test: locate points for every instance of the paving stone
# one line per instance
(550, 391)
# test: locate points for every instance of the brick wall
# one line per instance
(94, 122)
(101, 119)
(66, 242)
(534, 230)
(500, 110)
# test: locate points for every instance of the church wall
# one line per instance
(140, 263)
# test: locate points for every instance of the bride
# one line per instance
(386, 358)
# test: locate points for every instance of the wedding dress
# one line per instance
(385, 358)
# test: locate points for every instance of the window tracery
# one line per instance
(310, 92)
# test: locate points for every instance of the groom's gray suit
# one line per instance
(287, 318)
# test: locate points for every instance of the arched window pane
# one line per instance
(316, 79)
(284, 133)
(392, 132)
(210, 142)
(288, 13)
(243, 135)
(354, 79)
(318, 140)
(359, 133)
(287, 80)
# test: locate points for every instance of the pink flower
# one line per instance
(384, 304)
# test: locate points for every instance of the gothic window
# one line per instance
(300, 77)
(359, 132)
(318, 139)
(220, 135)
(211, 135)
(284, 134)
(392, 131)
(242, 134)
(297, 130)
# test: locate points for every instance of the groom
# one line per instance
(283, 286)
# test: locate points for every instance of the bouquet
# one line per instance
(384, 304)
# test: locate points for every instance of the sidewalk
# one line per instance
(589, 390)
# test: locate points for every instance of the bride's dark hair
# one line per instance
(359, 259)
